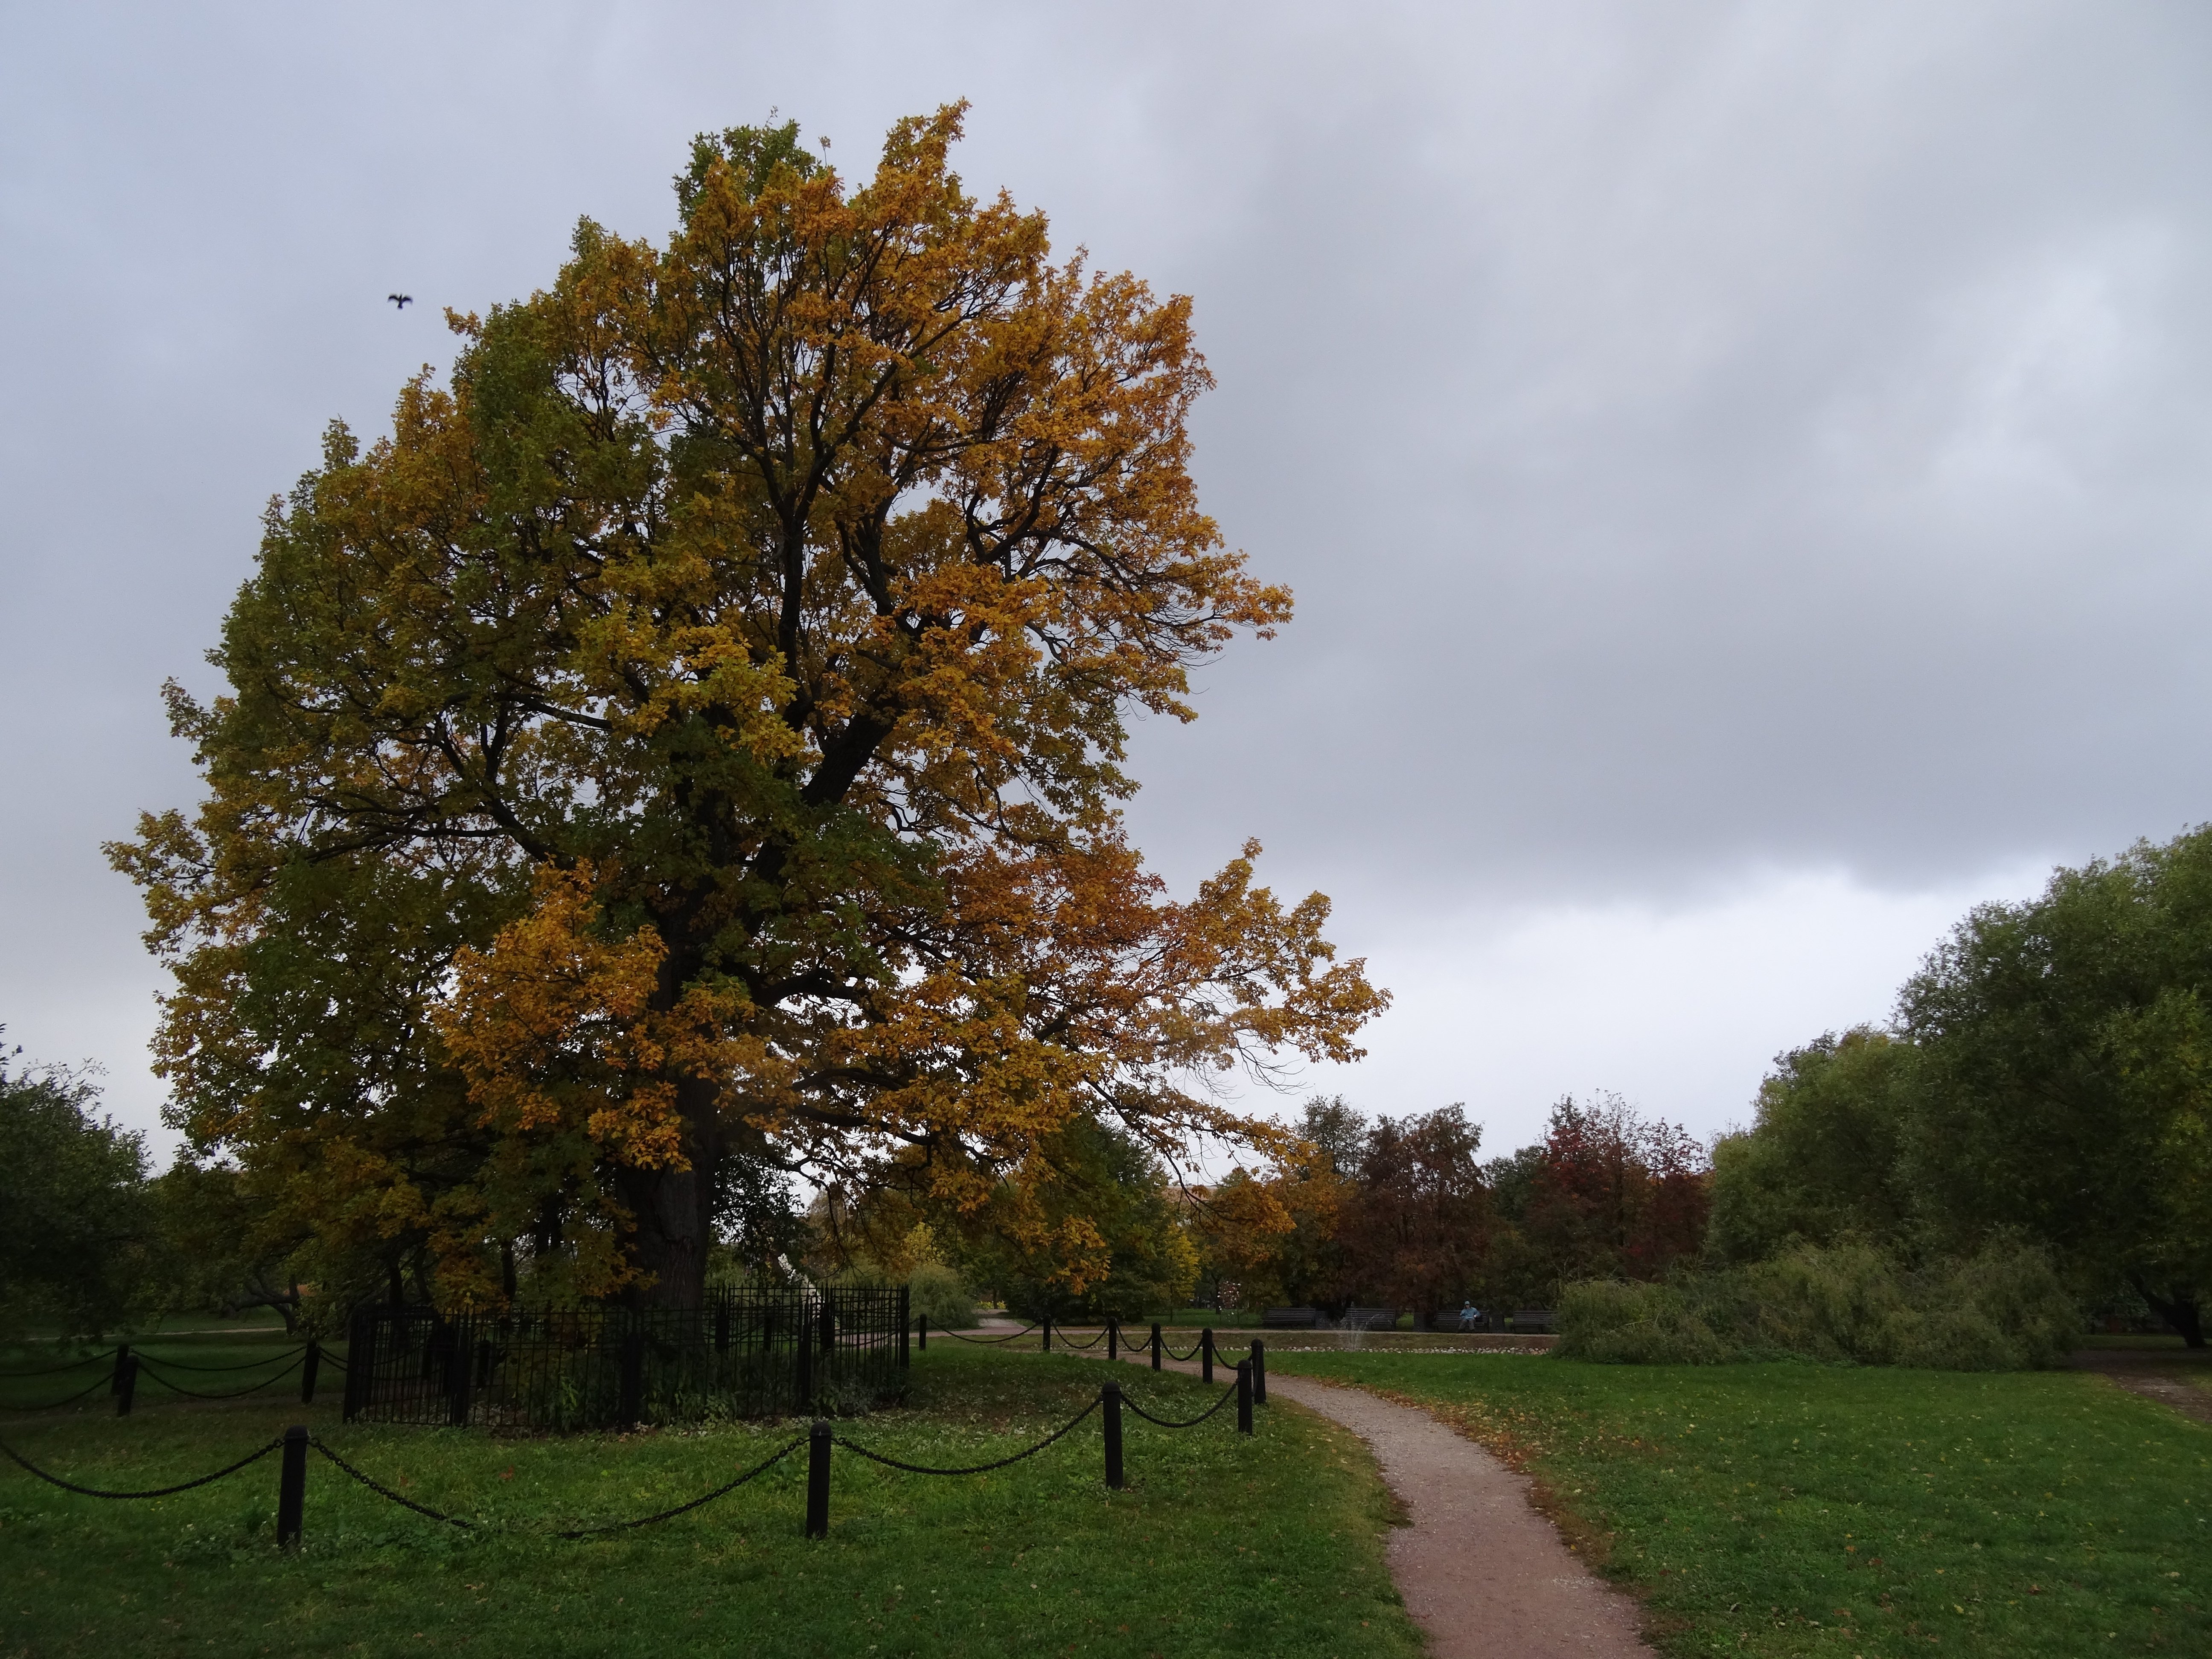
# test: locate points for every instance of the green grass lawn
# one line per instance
(1803, 1509)
(1220, 1544)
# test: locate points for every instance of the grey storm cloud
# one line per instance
(1701, 438)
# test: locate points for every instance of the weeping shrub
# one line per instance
(2003, 1309)
(936, 1293)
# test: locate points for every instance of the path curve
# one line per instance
(1482, 1572)
(2160, 1374)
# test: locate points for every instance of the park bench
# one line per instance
(1369, 1319)
(1291, 1319)
(1532, 1319)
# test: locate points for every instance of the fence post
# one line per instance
(905, 1314)
(309, 1367)
(805, 1346)
(1112, 1395)
(361, 1362)
(126, 1384)
(1047, 1348)
(817, 1481)
(829, 1325)
(721, 1327)
(1259, 1372)
(902, 1336)
(122, 1365)
(1113, 1338)
(633, 1377)
(1206, 1356)
(1243, 1397)
(1156, 1346)
(460, 1374)
(922, 1331)
(292, 1486)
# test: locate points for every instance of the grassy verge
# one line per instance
(1221, 1546)
(1798, 1509)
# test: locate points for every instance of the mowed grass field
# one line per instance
(1800, 1509)
(1220, 1544)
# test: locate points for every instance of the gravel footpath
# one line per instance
(1482, 1572)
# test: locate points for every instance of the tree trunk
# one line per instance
(2178, 1309)
(674, 1209)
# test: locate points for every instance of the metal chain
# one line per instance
(980, 1468)
(1172, 1354)
(242, 1366)
(1193, 1423)
(669, 1514)
(1095, 1338)
(986, 1341)
(17, 1458)
(55, 1370)
(56, 1405)
(147, 1365)
(383, 1491)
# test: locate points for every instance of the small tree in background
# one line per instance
(1415, 1228)
(1824, 1156)
(1613, 1196)
(78, 1247)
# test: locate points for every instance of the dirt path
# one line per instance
(1483, 1574)
(2173, 1377)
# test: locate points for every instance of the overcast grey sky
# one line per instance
(1745, 469)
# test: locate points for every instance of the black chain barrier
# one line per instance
(147, 1366)
(24, 1463)
(56, 1371)
(980, 1468)
(1227, 1394)
(987, 1341)
(242, 1366)
(1194, 1349)
(1097, 1337)
(424, 1510)
(56, 1405)
(790, 1446)
(383, 1491)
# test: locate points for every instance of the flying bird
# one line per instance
(402, 300)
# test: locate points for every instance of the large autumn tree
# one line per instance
(690, 744)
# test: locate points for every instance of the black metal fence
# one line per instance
(745, 1353)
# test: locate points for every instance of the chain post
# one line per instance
(818, 1479)
(292, 1486)
(1113, 1338)
(1259, 1372)
(1206, 1356)
(1112, 1395)
(128, 1385)
(122, 1363)
(1156, 1346)
(1047, 1328)
(309, 1367)
(1243, 1397)
(921, 1332)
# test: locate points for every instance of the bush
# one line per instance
(2002, 1310)
(936, 1293)
(1619, 1324)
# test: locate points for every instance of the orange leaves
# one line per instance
(552, 1028)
